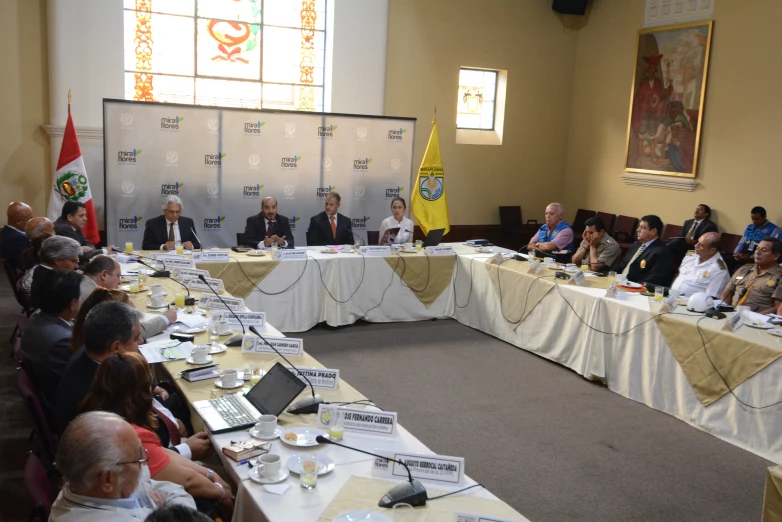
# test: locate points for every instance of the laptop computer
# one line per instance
(434, 237)
(273, 393)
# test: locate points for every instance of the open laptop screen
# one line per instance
(275, 390)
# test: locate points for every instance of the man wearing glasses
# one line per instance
(758, 285)
(104, 466)
(164, 232)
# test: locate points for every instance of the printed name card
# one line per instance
(611, 290)
(440, 250)
(319, 377)
(282, 254)
(669, 305)
(212, 301)
(735, 322)
(534, 267)
(373, 250)
(171, 262)
(358, 420)
(181, 273)
(578, 278)
(247, 318)
(251, 343)
(497, 258)
(423, 466)
(462, 516)
(211, 257)
(196, 284)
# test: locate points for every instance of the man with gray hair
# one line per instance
(555, 235)
(57, 253)
(164, 232)
(104, 465)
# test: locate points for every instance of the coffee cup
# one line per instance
(547, 260)
(266, 424)
(230, 378)
(156, 289)
(157, 301)
(200, 354)
(224, 328)
(269, 465)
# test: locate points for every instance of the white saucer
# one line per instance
(196, 310)
(196, 330)
(762, 326)
(776, 331)
(219, 384)
(325, 464)
(277, 432)
(355, 515)
(255, 253)
(282, 475)
(158, 295)
(305, 437)
(209, 359)
(126, 288)
(157, 308)
(217, 348)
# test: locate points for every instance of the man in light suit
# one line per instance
(47, 336)
(164, 232)
(330, 227)
(268, 227)
(692, 230)
(649, 260)
(12, 237)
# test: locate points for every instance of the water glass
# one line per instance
(337, 427)
(214, 327)
(621, 279)
(142, 278)
(309, 471)
(180, 249)
(611, 277)
(179, 298)
(128, 247)
(134, 285)
(419, 244)
(659, 292)
(403, 512)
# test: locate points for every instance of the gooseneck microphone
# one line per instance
(411, 492)
(235, 340)
(364, 243)
(518, 256)
(307, 404)
(156, 273)
(201, 245)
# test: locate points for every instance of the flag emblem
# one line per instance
(71, 186)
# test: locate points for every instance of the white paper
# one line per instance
(462, 516)
(277, 489)
(167, 350)
(191, 320)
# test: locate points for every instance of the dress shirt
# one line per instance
(183, 449)
(177, 236)
(265, 228)
(403, 236)
(711, 276)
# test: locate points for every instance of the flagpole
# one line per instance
(434, 120)
(69, 101)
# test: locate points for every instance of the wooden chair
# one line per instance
(240, 239)
(578, 223)
(39, 488)
(373, 236)
(624, 231)
(608, 220)
(671, 231)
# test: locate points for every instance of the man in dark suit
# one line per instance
(649, 260)
(47, 336)
(692, 230)
(13, 238)
(164, 232)
(268, 227)
(330, 227)
(70, 224)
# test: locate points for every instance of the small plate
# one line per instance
(762, 326)
(255, 253)
(141, 288)
(196, 330)
(278, 431)
(355, 515)
(630, 284)
(157, 308)
(305, 437)
(325, 464)
(158, 295)
(217, 348)
(208, 360)
(194, 310)
(219, 384)
(775, 331)
(405, 251)
(329, 251)
(282, 475)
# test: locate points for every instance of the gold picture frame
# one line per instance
(667, 98)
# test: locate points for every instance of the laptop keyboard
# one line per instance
(232, 411)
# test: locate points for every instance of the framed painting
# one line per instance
(666, 104)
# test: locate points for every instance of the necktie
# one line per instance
(171, 428)
(171, 232)
(333, 228)
(270, 229)
(691, 232)
(635, 256)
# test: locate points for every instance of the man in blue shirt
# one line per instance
(759, 229)
(556, 234)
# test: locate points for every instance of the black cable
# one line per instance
(383, 296)
(428, 273)
(361, 281)
(526, 297)
(272, 293)
(454, 492)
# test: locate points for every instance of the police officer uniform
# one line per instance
(760, 290)
(608, 250)
(711, 276)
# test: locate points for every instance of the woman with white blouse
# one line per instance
(397, 220)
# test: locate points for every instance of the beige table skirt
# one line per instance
(426, 276)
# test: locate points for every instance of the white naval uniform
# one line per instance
(694, 276)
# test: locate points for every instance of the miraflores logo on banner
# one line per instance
(326, 163)
(290, 130)
(127, 189)
(360, 223)
(326, 133)
(289, 190)
(252, 191)
(290, 163)
(214, 160)
(128, 157)
(396, 134)
(254, 161)
(212, 190)
(171, 189)
(362, 133)
(360, 191)
(126, 119)
(293, 220)
(322, 192)
(213, 125)
(396, 164)
(361, 165)
(212, 224)
(394, 192)
(253, 128)
(172, 158)
(170, 124)
(129, 224)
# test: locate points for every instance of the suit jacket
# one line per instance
(45, 347)
(63, 228)
(657, 261)
(75, 385)
(39, 273)
(707, 225)
(255, 230)
(12, 242)
(319, 232)
(156, 232)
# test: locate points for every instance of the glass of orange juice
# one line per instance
(128, 247)
(179, 298)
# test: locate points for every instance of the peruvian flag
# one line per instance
(71, 183)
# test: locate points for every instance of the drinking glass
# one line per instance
(659, 292)
(213, 327)
(309, 471)
(180, 249)
(128, 247)
(356, 245)
(142, 278)
(611, 277)
(134, 285)
(179, 298)
(403, 512)
(336, 427)
(419, 244)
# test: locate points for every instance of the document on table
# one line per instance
(166, 350)
(191, 320)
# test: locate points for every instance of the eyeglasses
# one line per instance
(143, 458)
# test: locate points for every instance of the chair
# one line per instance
(511, 226)
(671, 231)
(38, 487)
(240, 239)
(608, 220)
(31, 398)
(729, 242)
(578, 223)
(624, 232)
(21, 298)
(373, 236)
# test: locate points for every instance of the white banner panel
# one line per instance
(223, 161)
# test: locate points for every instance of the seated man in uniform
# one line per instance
(705, 270)
(757, 285)
(556, 234)
(692, 230)
(759, 229)
(649, 260)
(598, 248)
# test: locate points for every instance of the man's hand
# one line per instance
(86, 249)
(280, 240)
(200, 446)
(161, 392)
(182, 428)
(741, 256)
(156, 497)
(170, 314)
(594, 240)
(170, 245)
(267, 241)
(188, 245)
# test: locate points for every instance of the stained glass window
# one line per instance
(235, 53)
(476, 99)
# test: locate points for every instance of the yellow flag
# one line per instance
(427, 201)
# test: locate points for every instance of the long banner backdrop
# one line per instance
(222, 162)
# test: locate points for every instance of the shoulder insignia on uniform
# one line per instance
(721, 264)
(608, 241)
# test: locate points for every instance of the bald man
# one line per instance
(38, 229)
(705, 270)
(268, 227)
(13, 238)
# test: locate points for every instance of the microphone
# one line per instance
(517, 256)
(236, 340)
(364, 243)
(411, 492)
(307, 404)
(199, 241)
(117, 250)
(166, 274)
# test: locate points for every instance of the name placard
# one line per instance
(197, 284)
(248, 318)
(578, 278)
(283, 254)
(181, 273)
(423, 466)
(375, 250)
(211, 257)
(319, 377)
(251, 343)
(358, 420)
(611, 290)
(497, 258)
(534, 267)
(462, 516)
(171, 254)
(440, 250)
(734, 323)
(669, 305)
(212, 301)
(171, 262)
